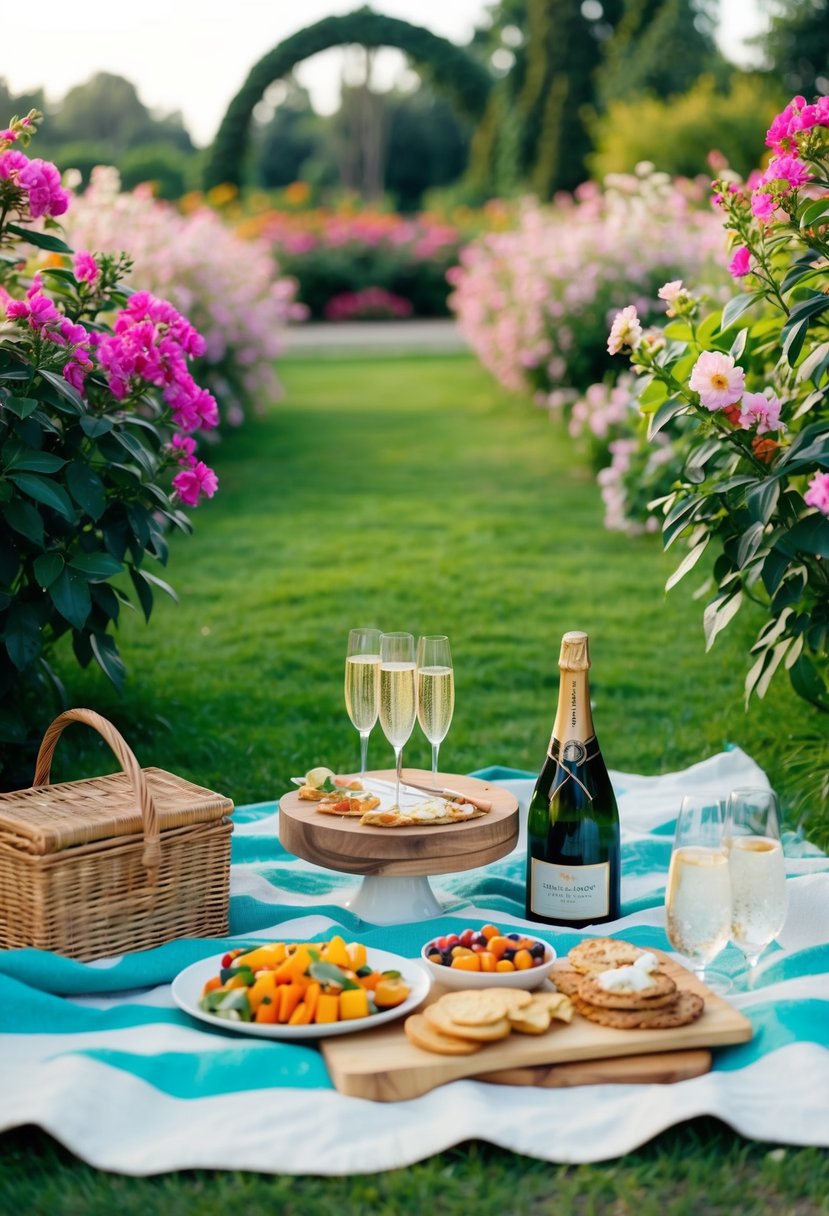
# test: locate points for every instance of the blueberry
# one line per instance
(431, 948)
(480, 940)
(538, 950)
(509, 955)
(446, 956)
(514, 937)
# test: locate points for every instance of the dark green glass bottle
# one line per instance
(573, 864)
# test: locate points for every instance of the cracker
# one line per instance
(473, 1008)
(661, 993)
(510, 998)
(602, 954)
(534, 1018)
(439, 1020)
(559, 1005)
(565, 979)
(684, 1010)
(419, 1032)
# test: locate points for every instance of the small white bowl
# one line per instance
(454, 977)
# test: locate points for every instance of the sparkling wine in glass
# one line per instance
(435, 691)
(698, 895)
(398, 694)
(757, 870)
(362, 685)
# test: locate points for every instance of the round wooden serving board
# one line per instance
(347, 846)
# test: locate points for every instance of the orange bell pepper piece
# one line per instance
(328, 1008)
(289, 997)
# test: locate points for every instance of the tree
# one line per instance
(427, 145)
(796, 46)
(290, 140)
(107, 110)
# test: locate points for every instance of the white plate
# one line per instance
(188, 985)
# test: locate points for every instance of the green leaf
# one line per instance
(762, 500)
(108, 658)
(29, 460)
(814, 365)
(48, 492)
(678, 331)
(793, 338)
(750, 542)
(738, 345)
(94, 425)
(25, 519)
(679, 517)
(137, 450)
(774, 567)
(809, 535)
(718, 614)
(41, 239)
(23, 647)
(668, 410)
(61, 274)
(159, 582)
(65, 390)
(96, 567)
(329, 973)
(813, 212)
(47, 567)
(70, 595)
(807, 682)
(655, 393)
(687, 563)
(143, 590)
(21, 406)
(87, 489)
(710, 326)
(735, 308)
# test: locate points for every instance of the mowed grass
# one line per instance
(413, 494)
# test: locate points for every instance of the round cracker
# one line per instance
(684, 1010)
(661, 993)
(510, 998)
(534, 1018)
(602, 954)
(566, 979)
(423, 1035)
(439, 1020)
(471, 1008)
(559, 1005)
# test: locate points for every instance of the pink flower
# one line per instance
(716, 379)
(740, 264)
(190, 484)
(673, 294)
(184, 447)
(762, 410)
(11, 163)
(762, 205)
(788, 169)
(86, 268)
(626, 330)
(8, 136)
(46, 195)
(817, 494)
(37, 309)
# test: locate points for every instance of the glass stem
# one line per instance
(435, 750)
(398, 763)
(364, 734)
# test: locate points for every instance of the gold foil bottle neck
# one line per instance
(575, 652)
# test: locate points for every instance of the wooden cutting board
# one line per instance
(384, 1066)
(352, 848)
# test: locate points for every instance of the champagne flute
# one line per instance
(435, 691)
(698, 895)
(398, 702)
(362, 685)
(758, 872)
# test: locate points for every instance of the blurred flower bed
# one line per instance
(233, 289)
(336, 252)
(535, 301)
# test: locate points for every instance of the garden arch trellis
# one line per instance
(462, 78)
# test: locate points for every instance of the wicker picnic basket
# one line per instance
(111, 864)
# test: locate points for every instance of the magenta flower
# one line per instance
(42, 181)
(817, 494)
(717, 380)
(190, 484)
(740, 264)
(762, 410)
(11, 163)
(8, 136)
(788, 169)
(762, 205)
(184, 447)
(37, 309)
(86, 268)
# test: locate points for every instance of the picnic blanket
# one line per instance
(99, 1056)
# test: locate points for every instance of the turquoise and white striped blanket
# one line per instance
(99, 1056)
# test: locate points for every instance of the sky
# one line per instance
(192, 55)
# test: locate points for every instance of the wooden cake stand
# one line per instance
(396, 862)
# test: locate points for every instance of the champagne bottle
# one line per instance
(573, 867)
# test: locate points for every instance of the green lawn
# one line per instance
(413, 494)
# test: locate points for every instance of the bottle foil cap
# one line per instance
(575, 653)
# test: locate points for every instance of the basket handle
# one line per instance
(152, 843)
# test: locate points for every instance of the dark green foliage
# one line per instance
(292, 137)
(107, 110)
(449, 67)
(160, 164)
(796, 47)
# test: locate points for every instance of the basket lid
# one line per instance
(50, 818)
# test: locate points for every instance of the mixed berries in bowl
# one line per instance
(489, 957)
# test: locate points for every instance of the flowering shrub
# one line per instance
(747, 388)
(230, 287)
(534, 302)
(98, 408)
(335, 253)
(371, 302)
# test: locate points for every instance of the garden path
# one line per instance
(434, 335)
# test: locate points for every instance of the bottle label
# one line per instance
(570, 892)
